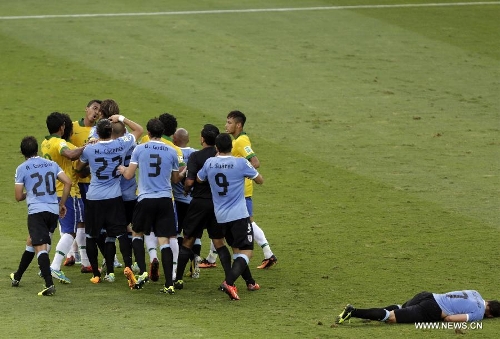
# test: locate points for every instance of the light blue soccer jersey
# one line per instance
(467, 302)
(226, 176)
(156, 162)
(128, 186)
(39, 176)
(179, 187)
(104, 157)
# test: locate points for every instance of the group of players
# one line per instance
(86, 181)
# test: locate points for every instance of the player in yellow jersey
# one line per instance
(170, 126)
(57, 149)
(243, 148)
(81, 131)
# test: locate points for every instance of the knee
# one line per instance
(392, 317)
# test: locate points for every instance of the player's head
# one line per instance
(104, 129)
(169, 123)
(181, 137)
(68, 127)
(209, 133)
(224, 143)
(234, 122)
(108, 108)
(118, 129)
(155, 128)
(92, 110)
(29, 147)
(492, 309)
(54, 122)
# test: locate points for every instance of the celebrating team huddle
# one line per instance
(89, 185)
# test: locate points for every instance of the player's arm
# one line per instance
(62, 177)
(259, 179)
(188, 185)
(456, 318)
(19, 193)
(72, 154)
(254, 161)
(135, 129)
(175, 178)
(128, 172)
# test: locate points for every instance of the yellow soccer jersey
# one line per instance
(52, 148)
(79, 138)
(243, 148)
(168, 141)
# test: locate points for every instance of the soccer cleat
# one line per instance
(70, 261)
(231, 291)
(135, 268)
(143, 278)
(253, 287)
(14, 282)
(206, 264)
(51, 290)
(130, 277)
(86, 269)
(179, 284)
(195, 267)
(95, 280)
(345, 315)
(154, 266)
(117, 264)
(168, 290)
(268, 263)
(59, 275)
(110, 277)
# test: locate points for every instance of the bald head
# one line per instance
(117, 129)
(181, 137)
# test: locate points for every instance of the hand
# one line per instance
(121, 169)
(62, 211)
(114, 118)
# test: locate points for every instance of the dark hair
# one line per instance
(108, 108)
(494, 308)
(68, 127)
(118, 129)
(29, 146)
(103, 129)
(169, 123)
(155, 128)
(238, 117)
(92, 101)
(54, 121)
(224, 143)
(209, 133)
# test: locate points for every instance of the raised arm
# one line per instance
(135, 128)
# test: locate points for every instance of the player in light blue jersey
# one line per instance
(226, 175)
(456, 306)
(104, 207)
(35, 182)
(154, 212)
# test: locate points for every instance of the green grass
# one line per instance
(377, 131)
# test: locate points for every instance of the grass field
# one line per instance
(377, 129)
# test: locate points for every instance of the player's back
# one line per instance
(39, 177)
(156, 161)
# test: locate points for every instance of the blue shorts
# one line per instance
(74, 215)
(249, 202)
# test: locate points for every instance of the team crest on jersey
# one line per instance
(250, 238)
(248, 149)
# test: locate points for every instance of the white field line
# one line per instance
(256, 10)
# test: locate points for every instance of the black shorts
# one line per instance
(155, 215)
(200, 215)
(40, 225)
(239, 233)
(421, 308)
(129, 209)
(108, 214)
(181, 209)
